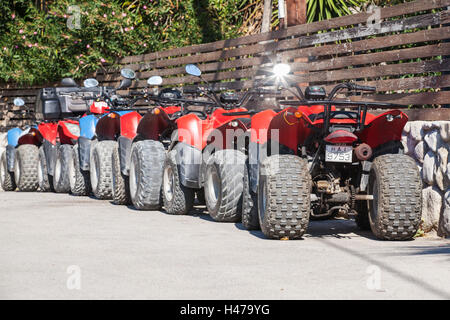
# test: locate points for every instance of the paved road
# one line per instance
(60, 246)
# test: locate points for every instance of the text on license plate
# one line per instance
(338, 153)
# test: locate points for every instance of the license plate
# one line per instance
(338, 153)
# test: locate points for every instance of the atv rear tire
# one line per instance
(6, 177)
(45, 180)
(224, 181)
(178, 199)
(146, 174)
(396, 209)
(63, 161)
(120, 182)
(284, 197)
(26, 167)
(80, 182)
(250, 219)
(101, 169)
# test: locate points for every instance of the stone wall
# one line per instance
(428, 143)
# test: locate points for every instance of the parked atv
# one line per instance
(18, 168)
(107, 128)
(140, 158)
(331, 161)
(59, 110)
(204, 154)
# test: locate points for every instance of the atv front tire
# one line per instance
(26, 167)
(284, 197)
(6, 177)
(224, 181)
(80, 182)
(101, 169)
(45, 180)
(396, 209)
(120, 182)
(178, 199)
(61, 179)
(146, 174)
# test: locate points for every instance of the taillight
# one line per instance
(341, 137)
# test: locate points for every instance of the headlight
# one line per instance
(73, 129)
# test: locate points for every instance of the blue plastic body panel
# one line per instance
(87, 126)
(13, 136)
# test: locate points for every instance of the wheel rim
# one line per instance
(213, 186)
(133, 180)
(262, 199)
(41, 173)
(17, 171)
(169, 183)
(94, 173)
(373, 204)
(57, 170)
(72, 175)
(2, 172)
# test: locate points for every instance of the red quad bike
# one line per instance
(331, 161)
(204, 154)
(137, 169)
(108, 130)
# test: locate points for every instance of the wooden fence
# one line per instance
(403, 50)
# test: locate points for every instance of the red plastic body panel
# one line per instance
(129, 123)
(108, 127)
(99, 107)
(195, 132)
(64, 135)
(155, 123)
(32, 137)
(49, 131)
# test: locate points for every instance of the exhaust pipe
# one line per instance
(363, 152)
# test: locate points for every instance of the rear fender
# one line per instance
(49, 131)
(154, 124)
(66, 135)
(380, 131)
(108, 127)
(10, 157)
(84, 152)
(188, 160)
(260, 125)
(124, 154)
(190, 131)
(87, 126)
(129, 123)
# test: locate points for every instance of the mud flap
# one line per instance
(84, 152)
(124, 154)
(189, 160)
(50, 156)
(257, 153)
(10, 157)
(366, 166)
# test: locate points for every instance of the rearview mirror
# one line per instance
(193, 70)
(68, 82)
(154, 81)
(125, 83)
(90, 83)
(127, 73)
(18, 102)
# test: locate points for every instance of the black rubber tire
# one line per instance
(395, 212)
(285, 184)
(120, 182)
(225, 169)
(26, 167)
(45, 180)
(7, 178)
(362, 218)
(146, 174)
(250, 219)
(61, 180)
(80, 182)
(181, 199)
(101, 169)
